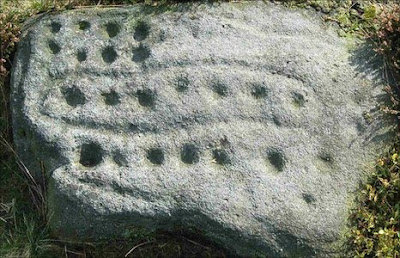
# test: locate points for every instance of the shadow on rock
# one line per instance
(371, 65)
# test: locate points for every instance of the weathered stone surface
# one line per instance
(248, 121)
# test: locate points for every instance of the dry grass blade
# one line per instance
(137, 246)
(194, 242)
(100, 6)
(36, 190)
(69, 242)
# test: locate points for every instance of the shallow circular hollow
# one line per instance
(182, 84)
(120, 159)
(109, 54)
(190, 154)
(55, 27)
(298, 99)
(220, 88)
(91, 154)
(155, 156)
(84, 25)
(111, 98)
(259, 91)
(146, 97)
(81, 55)
(221, 157)
(112, 29)
(141, 53)
(54, 47)
(277, 120)
(326, 157)
(74, 96)
(308, 198)
(277, 159)
(142, 30)
(133, 127)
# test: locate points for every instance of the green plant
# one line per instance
(376, 221)
(387, 37)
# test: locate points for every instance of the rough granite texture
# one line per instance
(247, 121)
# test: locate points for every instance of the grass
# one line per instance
(374, 223)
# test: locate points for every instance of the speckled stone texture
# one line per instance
(247, 121)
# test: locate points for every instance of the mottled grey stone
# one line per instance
(248, 121)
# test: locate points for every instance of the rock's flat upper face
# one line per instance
(246, 121)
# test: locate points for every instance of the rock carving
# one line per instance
(243, 120)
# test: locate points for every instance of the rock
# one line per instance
(248, 121)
